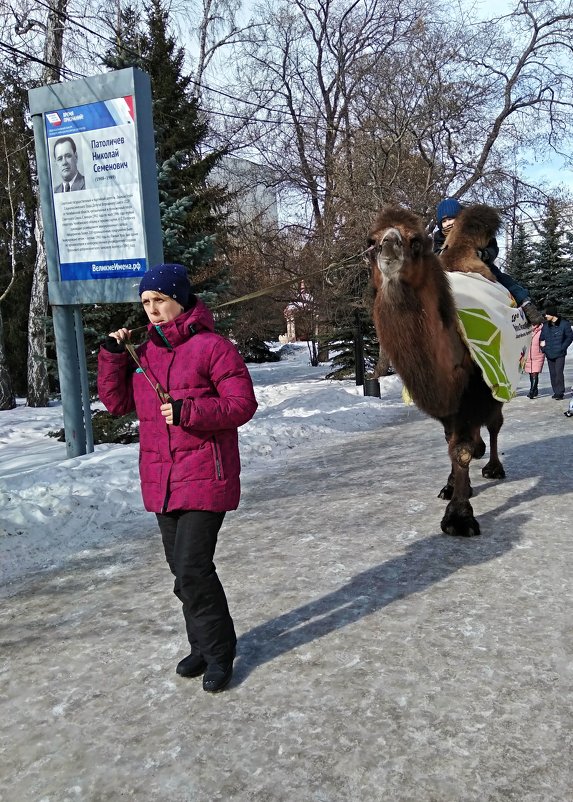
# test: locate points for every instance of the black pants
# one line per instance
(556, 368)
(189, 539)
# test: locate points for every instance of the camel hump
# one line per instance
(396, 217)
(478, 223)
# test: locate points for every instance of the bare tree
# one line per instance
(37, 35)
(218, 30)
(38, 385)
(304, 71)
(7, 398)
(367, 103)
(466, 105)
(529, 81)
(259, 258)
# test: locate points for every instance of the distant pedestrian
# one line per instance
(534, 363)
(556, 337)
(191, 391)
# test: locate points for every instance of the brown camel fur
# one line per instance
(473, 229)
(416, 323)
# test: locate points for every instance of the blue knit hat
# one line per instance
(449, 207)
(171, 280)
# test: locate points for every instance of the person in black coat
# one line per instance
(556, 337)
(446, 214)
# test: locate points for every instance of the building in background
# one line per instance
(252, 189)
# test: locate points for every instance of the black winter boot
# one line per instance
(533, 381)
(191, 666)
(217, 677)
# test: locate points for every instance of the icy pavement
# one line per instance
(378, 660)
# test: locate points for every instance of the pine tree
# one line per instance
(190, 223)
(130, 41)
(16, 240)
(191, 227)
(343, 342)
(521, 263)
(567, 276)
(551, 260)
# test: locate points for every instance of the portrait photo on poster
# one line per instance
(66, 172)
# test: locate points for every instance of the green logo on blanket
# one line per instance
(484, 341)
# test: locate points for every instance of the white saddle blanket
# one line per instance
(495, 330)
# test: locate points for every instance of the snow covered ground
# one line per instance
(377, 659)
(53, 508)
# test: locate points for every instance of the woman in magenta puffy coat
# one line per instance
(189, 456)
(534, 363)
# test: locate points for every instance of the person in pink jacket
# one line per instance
(191, 391)
(534, 363)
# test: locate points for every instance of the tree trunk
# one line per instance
(7, 398)
(38, 386)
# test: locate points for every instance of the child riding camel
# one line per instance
(446, 214)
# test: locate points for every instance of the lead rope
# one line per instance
(267, 290)
(162, 393)
(288, 283)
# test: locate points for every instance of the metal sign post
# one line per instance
(97, 174)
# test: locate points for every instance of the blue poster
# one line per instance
(96, 190)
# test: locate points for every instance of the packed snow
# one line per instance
(53, 508)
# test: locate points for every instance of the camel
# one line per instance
(474, 228)
(416, 323)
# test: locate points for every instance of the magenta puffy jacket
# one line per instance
(193, 466)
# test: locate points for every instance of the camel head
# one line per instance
(399, 247)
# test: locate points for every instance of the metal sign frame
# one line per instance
(65, 103)
(111, 101)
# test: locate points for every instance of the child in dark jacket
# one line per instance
(446, 214)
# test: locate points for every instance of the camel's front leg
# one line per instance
(494, 468)
(447, 490)
(459, 517)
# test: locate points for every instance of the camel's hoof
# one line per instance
(493, 470)
(459, 521)
(464, 527)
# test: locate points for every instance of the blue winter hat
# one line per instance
(449, 207)
(170, 280)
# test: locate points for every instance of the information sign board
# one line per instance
(98, 186)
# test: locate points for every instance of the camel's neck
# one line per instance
(419, 331)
